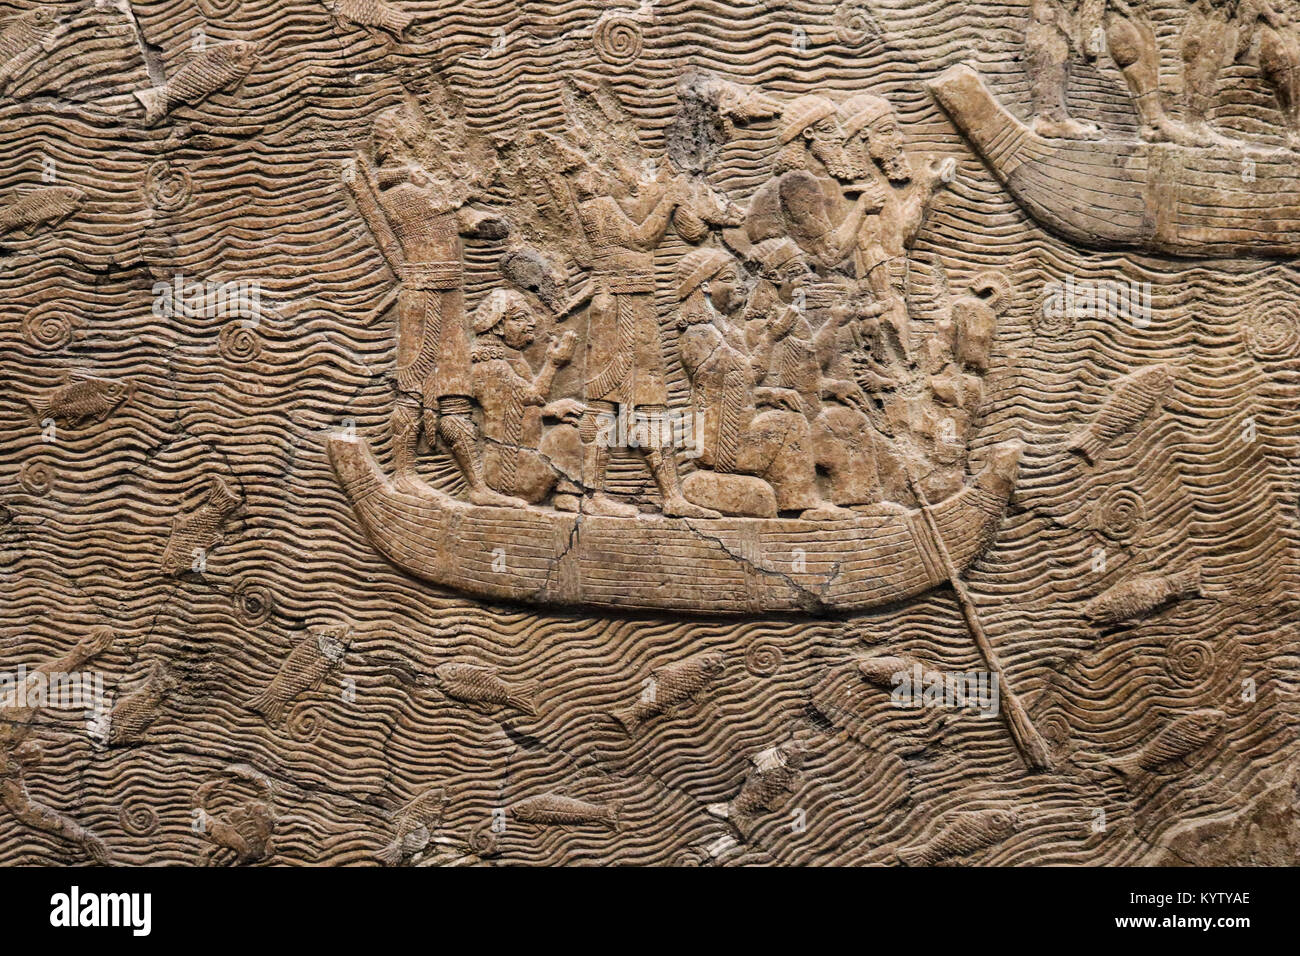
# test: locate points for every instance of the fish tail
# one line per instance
(268, 705)
(524, 697)
(1187, 582)
(154, 101)
(219, 494)
(40, 404)
(720, 810)
(390, 855)
(1124, 767)
(628, 719)
(1086, 442)
(615, 815)
(398, 20)
(913, 855)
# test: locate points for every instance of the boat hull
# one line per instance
(727, 566)
(1197, 202)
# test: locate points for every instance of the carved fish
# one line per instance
(1134, 397)
(40, 205)
(961, 832)
(306, 666)
(556, 808)
(481, 687)
(412, 825)
(132, 715)
(199, 531)
(671, 685)
(22, 36)
(881, 670)
(374, 13)
(216, 68)
(772, 774)
(1141, 594)
(1190, 732)
(81, 396)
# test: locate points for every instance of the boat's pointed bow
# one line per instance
(1002, 467)
(977, 114)
(355, 467)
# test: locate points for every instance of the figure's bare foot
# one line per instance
(681, 508)
(1293, 140)
(1166, 130)
(1207, 135)
(411, 483)
(881, 509)
(606, 507)
(494, 499)
(826, 512)
(1061, 126)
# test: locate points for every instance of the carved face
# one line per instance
(791, 278)
(724, 290)
(518, 327)
(825, 140)
(886, 143)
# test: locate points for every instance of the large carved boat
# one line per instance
(1211, 201)
(716, 566)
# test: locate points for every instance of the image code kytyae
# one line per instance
(649, 432)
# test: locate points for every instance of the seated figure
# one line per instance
(514, 400)
(739, 439)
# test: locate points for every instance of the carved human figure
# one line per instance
(18, 754)
(428, 215)
(514, 399)
(804, 198)
(962, 347)
(747, 428)
(624, 370)
(876, 154)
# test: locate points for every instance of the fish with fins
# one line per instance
(772, 774)
(557, 809)
(199, 530)
(374, 13)
(482, 688)
(412, 826)
(307, 665)
(1133, 398)
(961, 832)
(671, 685)
(1141, 594)
(40, 206)
(219, 67)
(1188, 733)
(881, 670)
(24, 36)
(132, 715)
(81, 396)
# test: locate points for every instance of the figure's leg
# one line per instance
(663, 465)
(594, 430)
(456, 427)
(1208, 46)
(1133, 47)
(1279, 62)
(1047, 61)
(777, 447)
(13, 794)
(404, 422)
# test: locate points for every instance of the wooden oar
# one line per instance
(1031, 745)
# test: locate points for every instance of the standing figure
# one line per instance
(875, 151)
(773, 444)
(18, 754)
(624, 370)
(512, 396)
(420, 221)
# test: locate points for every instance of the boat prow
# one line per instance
(725, 566)
(1204, 202)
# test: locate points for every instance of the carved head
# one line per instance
(395, 136)
(873, 135)
(809, 127)
(505, 314)
(714, 274)
(782, 263)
